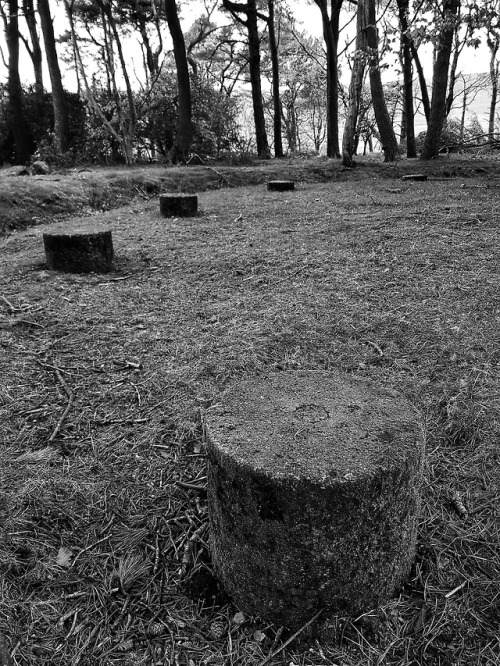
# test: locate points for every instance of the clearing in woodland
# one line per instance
(105, 379)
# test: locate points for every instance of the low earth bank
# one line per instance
(27, 200)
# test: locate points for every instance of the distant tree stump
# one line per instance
(415, 176)
(280, 185)
(314, 483)
(79, 250)
(178, 205)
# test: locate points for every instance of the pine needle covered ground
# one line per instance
(103, 551)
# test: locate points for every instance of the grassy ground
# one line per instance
(102, 500)
(31, 200)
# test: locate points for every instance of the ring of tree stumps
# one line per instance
(79, 250)
(314, 483)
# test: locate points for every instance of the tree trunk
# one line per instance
(184, 133)
(61, 122)
(273, 50)
(440, 81)
(349, 141)
(462, 118)
(35, 51)
(408, 114)
(384, 122)
(251, 24)
(255, 81)
(494, 71)
(331, 36)
(23, 140)
(421, 79)
(452, 77)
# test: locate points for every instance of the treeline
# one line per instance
(241, 64)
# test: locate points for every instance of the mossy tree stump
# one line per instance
(280, 185)
(178, 205)
(79, 250)
(314, 492)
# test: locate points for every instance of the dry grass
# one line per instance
(31, 200)
(104, 557)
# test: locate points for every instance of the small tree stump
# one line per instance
(314, 485)
(280, 185)
(79, 250)
(415, 176)
(178, 205)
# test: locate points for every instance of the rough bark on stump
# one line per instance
(280, 185)
(415, 176)
(80, 250)
(178, 205)
(314, 493)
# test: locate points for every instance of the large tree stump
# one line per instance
(79, 250)
(314, 492)
(280, 185)
(178, 205)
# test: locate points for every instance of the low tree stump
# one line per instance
(280, 185)
(415, 176)
(178, 205)
(79, 250)
(314, 483)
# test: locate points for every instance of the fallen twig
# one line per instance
(71, 397)
(9, 304)
(456, 589)
(289, 640)
(375, 346)
(190, 486)
(220, 174)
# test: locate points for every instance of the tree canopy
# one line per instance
(220, 78)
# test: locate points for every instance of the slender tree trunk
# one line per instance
(408, 114)
(255, 80)
(384, 122)
(452, 77)
(440, 81)
(23, 140)
(349, 141)
(422, 82)
(184, 133)
(462, 119)
(251, 24)
(35, 50)
(61, 122)
(331, 36)
(494, 73)
(273, 50)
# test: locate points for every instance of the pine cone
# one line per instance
(217, 628)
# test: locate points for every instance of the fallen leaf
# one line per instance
(239, 618)
(64, 557)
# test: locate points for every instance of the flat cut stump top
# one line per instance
(298, 427)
